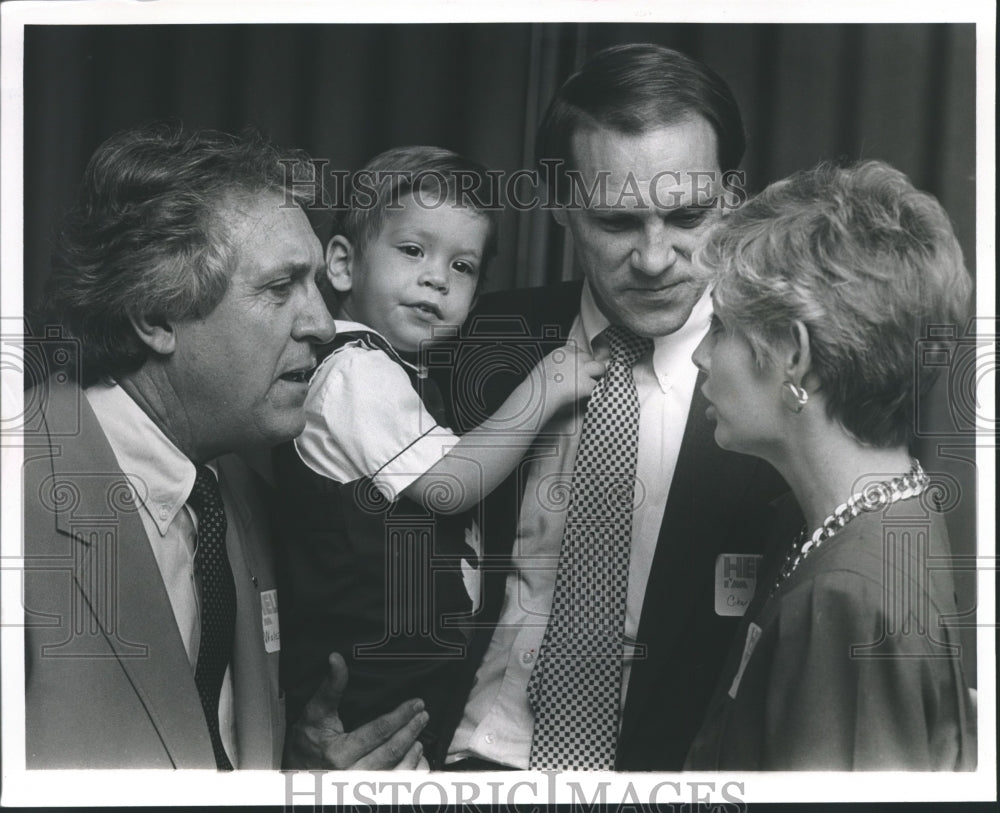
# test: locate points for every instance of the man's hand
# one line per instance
(318, 740)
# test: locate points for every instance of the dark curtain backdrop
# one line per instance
(901, 93)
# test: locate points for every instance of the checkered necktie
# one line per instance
(218, 603)
(575, 686)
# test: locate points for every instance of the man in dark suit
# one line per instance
(151, 616)
(647, 138)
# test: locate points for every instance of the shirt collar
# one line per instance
(347, 326)
(592, 318)
(160, 474)
(672, 352)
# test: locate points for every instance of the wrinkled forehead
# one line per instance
(266, 232)
(663, 167)
(239, 212)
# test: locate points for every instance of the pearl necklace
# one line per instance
(873, 497)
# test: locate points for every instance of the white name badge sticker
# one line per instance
(269, 613)
(735, 582)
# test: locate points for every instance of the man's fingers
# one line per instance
(326, 701)
(388, 741)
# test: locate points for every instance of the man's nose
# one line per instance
(655, 252)
(314, 323)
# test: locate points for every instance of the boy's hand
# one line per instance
(565, 376)
(569, 373)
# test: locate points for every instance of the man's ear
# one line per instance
(340, 263)
(560, 216)
(155, 332)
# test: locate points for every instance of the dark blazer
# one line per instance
(719, 502)
(108, 683)
(856, 662)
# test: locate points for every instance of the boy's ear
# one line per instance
(559, 214)
(340, 263)
(155, 332)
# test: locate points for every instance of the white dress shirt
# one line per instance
(161, 478)
(498, 723)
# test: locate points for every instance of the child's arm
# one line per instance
(485, 456)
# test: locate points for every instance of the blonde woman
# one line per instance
(846, 660)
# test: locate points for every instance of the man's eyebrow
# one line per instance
(615, 213)
(688, 210)
(295, 270)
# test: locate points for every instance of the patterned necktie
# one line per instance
(218, 603)
(575, 686)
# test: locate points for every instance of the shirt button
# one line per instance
(490, 738)
(527, 657)
(164, 513)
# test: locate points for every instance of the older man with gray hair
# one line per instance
(186, 279)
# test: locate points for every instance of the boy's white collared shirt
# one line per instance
(364, 419)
